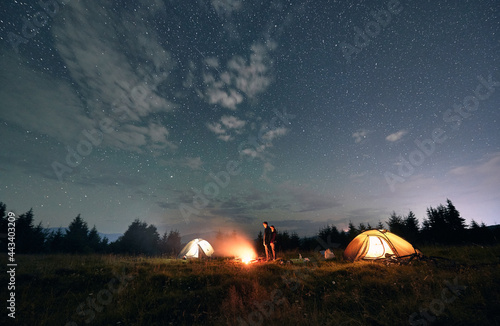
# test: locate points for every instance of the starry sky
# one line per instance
(218, 114)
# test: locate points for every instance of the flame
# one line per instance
(246, 260)
(245, 252)
(236, 246)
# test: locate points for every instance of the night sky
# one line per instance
(218, 114)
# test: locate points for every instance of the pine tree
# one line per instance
(140, 238)
(444, 224)
(29, 238)
(162, 244)
(55, 241)
(95, 242)
(455, 222)
(283, 240)
(294, 241)
(3, 226)
(330, 236)
(411, 228)
(435, 228)
(3, 217)
(258, 243)
(76, 238)
(352, 232)
(396, 224)
(173, 243)
(474, 225)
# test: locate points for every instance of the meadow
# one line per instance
(462, 289)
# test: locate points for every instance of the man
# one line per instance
(267, 239)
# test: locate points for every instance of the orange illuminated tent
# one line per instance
(379, 244)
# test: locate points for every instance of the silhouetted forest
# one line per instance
(442, 225)
(77, 238)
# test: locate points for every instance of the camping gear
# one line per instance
(379, 244)
(329, 254)
(196, 248)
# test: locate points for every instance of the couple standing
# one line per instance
(269, 240)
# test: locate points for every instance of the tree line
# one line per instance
(77, 238)
(442, 225)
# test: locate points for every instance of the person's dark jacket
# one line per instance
(267, 235)
(273, 237)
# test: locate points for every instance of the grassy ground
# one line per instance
(114, 290)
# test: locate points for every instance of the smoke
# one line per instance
(234, 245)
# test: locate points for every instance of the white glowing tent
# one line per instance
(197, 248)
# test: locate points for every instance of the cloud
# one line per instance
(228, 99)
(226, 7)
(33, 158)
(226, 10)
(135, 138)
(262, 140)
(396, 136)
(242, 78)
(257, 152)
(307, 200)
(52, 107)
(360, 135)
(268, 167)
(158, 133)
(212, 62)
(474, 186)
(102, 58)
(245, 207)
(242, 206)
(99, 56)
(217, 212)
(225, 138)
(194, 163)
(481, 177)
(358, 177)
(227, 125)
(232, 122)
(252, 78)
(270, 135)
(216, 127)
(265, 136)
(489, 166)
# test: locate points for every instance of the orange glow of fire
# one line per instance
(245, 252)
(246, 260)
(238, 247)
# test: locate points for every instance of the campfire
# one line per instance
(236, 246)
(244, 252)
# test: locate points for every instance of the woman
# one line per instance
(273, 240)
